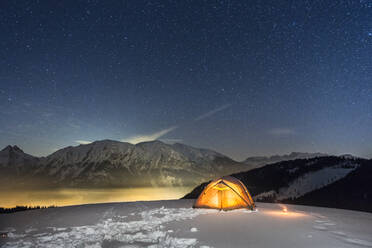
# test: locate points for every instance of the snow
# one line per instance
(195, 154)
(312, 181)
(309, 182)
(266, 194)
(176, 224)
(147, 230)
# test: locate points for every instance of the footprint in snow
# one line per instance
(318, 227)
(339, 233)
(323, 226)
(318, 215)
(320, 221)
(329, 224)
(30, 230)
(359, 242)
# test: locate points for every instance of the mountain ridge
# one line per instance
(259, 161)
(110, 163)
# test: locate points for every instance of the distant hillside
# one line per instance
(259, 161)
(340, 182)
(351, 192)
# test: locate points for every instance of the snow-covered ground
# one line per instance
(309, 182)
(314, 180)
(176, 224)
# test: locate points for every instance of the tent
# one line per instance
(226, 193)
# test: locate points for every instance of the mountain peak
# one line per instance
(10, 148)
(7, 148)
(16, 148)
(13, 155)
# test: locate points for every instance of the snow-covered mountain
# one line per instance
(341, 182)
(259, 161)
(309, 180)
(109, 163)
(16, 167)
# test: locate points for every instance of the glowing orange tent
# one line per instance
(226, 193)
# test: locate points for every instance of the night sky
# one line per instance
(240, 77)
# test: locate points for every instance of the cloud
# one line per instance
(281, 131)
(154, 136)
(148, 137)
(212, 112)
(83, 142)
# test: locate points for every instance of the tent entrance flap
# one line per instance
(220, 196)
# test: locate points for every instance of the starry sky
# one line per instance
(241, 77)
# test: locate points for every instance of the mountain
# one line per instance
(15, 157)
(15, 166)
(341, 182)
(109, 163)
(353, 191)
(259, 161)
